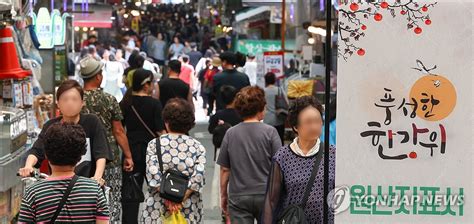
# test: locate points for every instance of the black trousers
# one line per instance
(246, 209)
(130, 210)
(281, 132)
(211, 99)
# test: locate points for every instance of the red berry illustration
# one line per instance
(424, 9)
(361, 52)
(384, 5)
(378, 17)
(354, 7)
(364, 27)
(403, 12)
(428, 22)
(412, 155)
(418, 30)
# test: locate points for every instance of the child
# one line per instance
(64, 146)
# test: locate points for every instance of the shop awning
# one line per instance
(98, 16)
(251, 12)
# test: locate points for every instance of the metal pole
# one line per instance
(283, 24)
(327, 60)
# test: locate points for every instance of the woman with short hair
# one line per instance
(292, 166)
(181, 152)
(245, 158)
(64, 145)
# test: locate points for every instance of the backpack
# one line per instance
(219, 133)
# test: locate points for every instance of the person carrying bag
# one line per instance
(295, 213)
(173, 183)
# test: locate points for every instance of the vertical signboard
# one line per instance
(404, 114)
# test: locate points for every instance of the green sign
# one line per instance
(259, 46)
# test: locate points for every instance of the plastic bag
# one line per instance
(174, 218)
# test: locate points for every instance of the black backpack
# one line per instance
(219, 133)
(294, 214)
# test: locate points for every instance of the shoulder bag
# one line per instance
(295, 213)
(173, 183)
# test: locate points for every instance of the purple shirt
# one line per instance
(290, 175)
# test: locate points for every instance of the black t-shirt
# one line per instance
(228, 77)
(229, 116)
(149, 110)
(171, 88)
(97, 145)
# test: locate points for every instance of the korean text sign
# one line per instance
(405, 110)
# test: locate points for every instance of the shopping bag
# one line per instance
(174, 218)
(131, 190)
(281, 103)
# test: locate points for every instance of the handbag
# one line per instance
(281, 103)
(295, 213)
(173, 184)
(64, 198)
(131, 190)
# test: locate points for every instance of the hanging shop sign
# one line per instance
(273, 61)
(44, 29)
(404, 113)
(58, 27)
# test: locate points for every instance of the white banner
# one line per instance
(404, 113)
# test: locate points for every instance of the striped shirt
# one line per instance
(86, 202)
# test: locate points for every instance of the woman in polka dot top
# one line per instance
(292, 166)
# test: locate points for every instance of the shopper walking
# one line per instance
(271, 116)
(173, 86)
(112, 81)
(245, 159)
(51, 201)
(70, 100)
(294, 164)
(230, 76)
(142, 118)
(106, 107)
(176, 48)
(209, 83)
(158, 50)
(179, 152)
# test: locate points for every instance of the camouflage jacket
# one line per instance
(106, 107)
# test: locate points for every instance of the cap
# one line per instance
(193, 45)
(90, 67)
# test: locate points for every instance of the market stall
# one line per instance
(21, 102)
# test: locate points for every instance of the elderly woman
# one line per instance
(292, 166)
(246, 158)
(181, 152)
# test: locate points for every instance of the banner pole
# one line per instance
(327, 61)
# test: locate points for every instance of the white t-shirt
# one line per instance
(250, 69)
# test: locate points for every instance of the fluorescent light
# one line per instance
(138, 4)
(318, 30)
(84, 29)
(77, 28)
(311, 40)
(125, 15)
